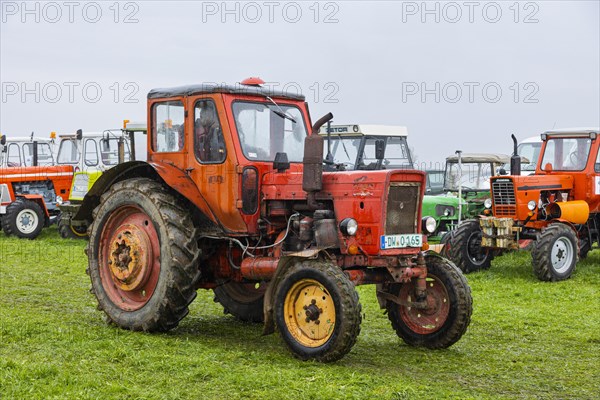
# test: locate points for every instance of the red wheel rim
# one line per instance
(426, 320)
(129, 259)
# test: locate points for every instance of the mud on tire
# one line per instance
(337, 303)
(134, 209)
(555, 253)
(450, 313)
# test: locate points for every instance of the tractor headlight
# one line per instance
(349, 226)
(59, 200)
(532, 205)
(487, 203)
(428, 224)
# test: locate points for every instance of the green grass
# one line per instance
(527, 339)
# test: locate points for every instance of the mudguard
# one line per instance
(167, 173)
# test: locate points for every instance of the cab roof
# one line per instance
(240, 89)
(117, 132)
(365, 130)
(572, 131)
(480, 158)
(26, 139)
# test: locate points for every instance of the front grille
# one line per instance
(402, 208)
(503, 192)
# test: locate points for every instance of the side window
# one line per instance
(13, 156)
(91, 152)
(209, 145)
(597, 164)
(168, 130)
(67, 152)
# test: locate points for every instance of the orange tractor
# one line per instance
(229, 200)
(558, 208)
(31, 191)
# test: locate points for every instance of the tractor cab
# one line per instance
(26, 152)
(92, 154)
(356, 147)
(473, 172)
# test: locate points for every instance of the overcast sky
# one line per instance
(459, 75)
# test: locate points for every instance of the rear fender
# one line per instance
(167, 173)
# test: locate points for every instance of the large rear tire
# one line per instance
(24, 219)
(464, 248)
(242, 300)
(142, 256)
(317, 311)
(449, 310)
(554, 254)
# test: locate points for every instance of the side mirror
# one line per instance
(379, 149)
(3, 140)
(79, 134)
(281, 162)
(105, 145)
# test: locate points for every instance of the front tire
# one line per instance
(68, 231)
(464, 248)
(242, 300)
(142, 256)
(554, 254)
(24, 219)
(317, 311)
(449, 310)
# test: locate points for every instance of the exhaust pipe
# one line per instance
(312, 177)
(515, 159)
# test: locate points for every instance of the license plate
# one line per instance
(401, 241)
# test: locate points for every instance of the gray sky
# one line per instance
(460, 75)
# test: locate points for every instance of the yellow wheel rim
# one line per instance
(309, 313)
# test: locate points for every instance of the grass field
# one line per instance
(527, 339)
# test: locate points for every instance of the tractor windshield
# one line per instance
(566, 154)
(344, 149)
(44, 154)
(396, 152)
(263, 132)
(471, 176)
(530, 151)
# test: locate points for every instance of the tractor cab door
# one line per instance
(211, 159)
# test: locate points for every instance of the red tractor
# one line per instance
(229, 201)
(558, 208)
(31, 187)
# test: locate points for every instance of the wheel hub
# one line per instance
(313, 312)
(130, 257)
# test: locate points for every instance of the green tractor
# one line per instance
(466, 177)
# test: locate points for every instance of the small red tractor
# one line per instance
(558, 208)
(229, 200)
(31, 187)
